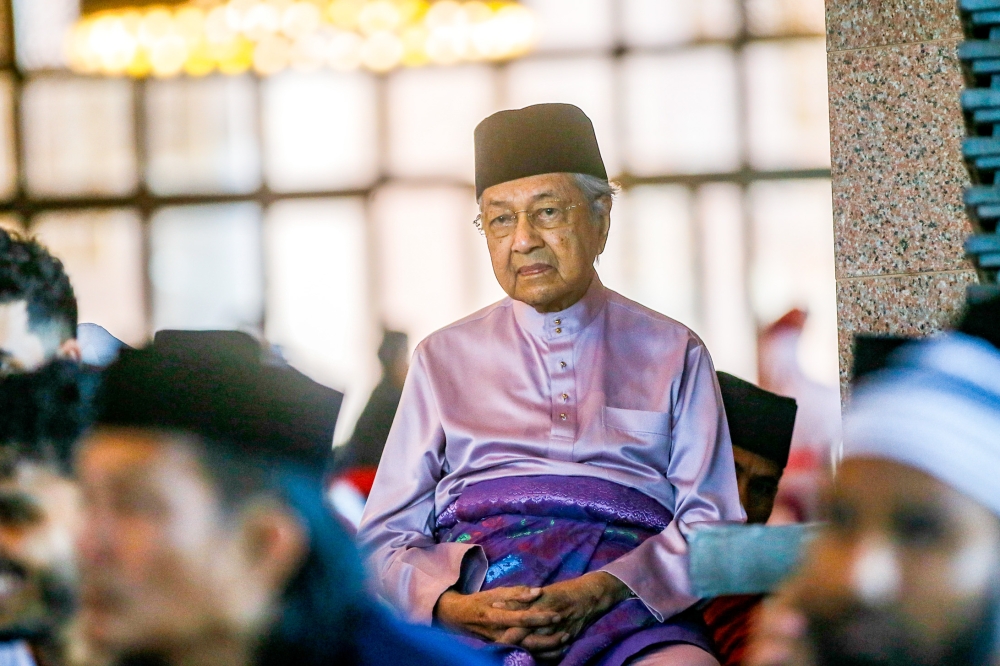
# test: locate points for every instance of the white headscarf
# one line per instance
(936, 409)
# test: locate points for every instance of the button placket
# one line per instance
(564, 414)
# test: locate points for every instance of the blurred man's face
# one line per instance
(547, 266)
(906, 573)
(39, 524)
(23, 349)
(757, 478)
(160, 565)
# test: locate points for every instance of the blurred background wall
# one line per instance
(316, 207)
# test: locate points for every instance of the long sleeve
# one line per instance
(702, 474)
(396, 531)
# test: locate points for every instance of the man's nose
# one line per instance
(526, 237)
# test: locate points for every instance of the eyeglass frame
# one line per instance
(517, 215)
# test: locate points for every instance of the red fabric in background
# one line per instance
(361, 478)
(728, 620)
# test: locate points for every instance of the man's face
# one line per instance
(907, 571)
(549, 267)
(21, 349)
(39, 524)
(757, 478)
(159, 562)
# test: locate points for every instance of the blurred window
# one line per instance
(79, 136)
(8, 157)
(429, 256)
(682, 112)
(42, 26)
(727, 322)
(205, 267)
(785, 17)
(652, 23)
(201, 136)
(318, 293)
(320, 131)
(787, 104)
(102, 251)
(792, 251)
(432, 114)
(574, 25)
(651, 255)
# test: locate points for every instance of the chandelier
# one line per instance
(199, 37)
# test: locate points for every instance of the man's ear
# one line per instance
(70, 351)
(274, 543)
(604, 221)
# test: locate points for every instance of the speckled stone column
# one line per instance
(895, 132)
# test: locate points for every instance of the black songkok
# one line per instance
(544, 138)
(759, 421)
(193, 384)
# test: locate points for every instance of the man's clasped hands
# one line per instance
(542, 620)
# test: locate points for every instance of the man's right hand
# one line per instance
(501, 615)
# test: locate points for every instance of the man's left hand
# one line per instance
(579, 603)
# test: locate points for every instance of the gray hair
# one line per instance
(594, 189)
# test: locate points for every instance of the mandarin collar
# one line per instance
(565, 323)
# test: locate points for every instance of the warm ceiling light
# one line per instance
(196, 37)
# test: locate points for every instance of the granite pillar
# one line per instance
(895, 132)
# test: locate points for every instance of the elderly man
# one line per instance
(908, 571)
(552, 451)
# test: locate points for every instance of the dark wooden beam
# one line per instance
(91, 6)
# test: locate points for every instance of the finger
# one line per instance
(513, 636)
(520, 593)
(552, 643)
(499, 617)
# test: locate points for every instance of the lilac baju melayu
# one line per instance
(605, 389)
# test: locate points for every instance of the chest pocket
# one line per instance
(643, 436)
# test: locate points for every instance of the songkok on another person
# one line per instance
(907, 571)
(206, 536)
(552, 451)
(43, 414)
(761, 425)
(38, 314)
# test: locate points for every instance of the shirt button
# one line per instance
(562, 364)
(565, 397)
(557, 322)
(558, 330)
(562, 416)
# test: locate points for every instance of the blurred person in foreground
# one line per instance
(41, 415)
(761, 425)
(206, 541)
(38, 314)
(551, 452)
(907, 573)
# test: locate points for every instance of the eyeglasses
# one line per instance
(541, 216)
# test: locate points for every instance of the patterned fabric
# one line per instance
(541, 530)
